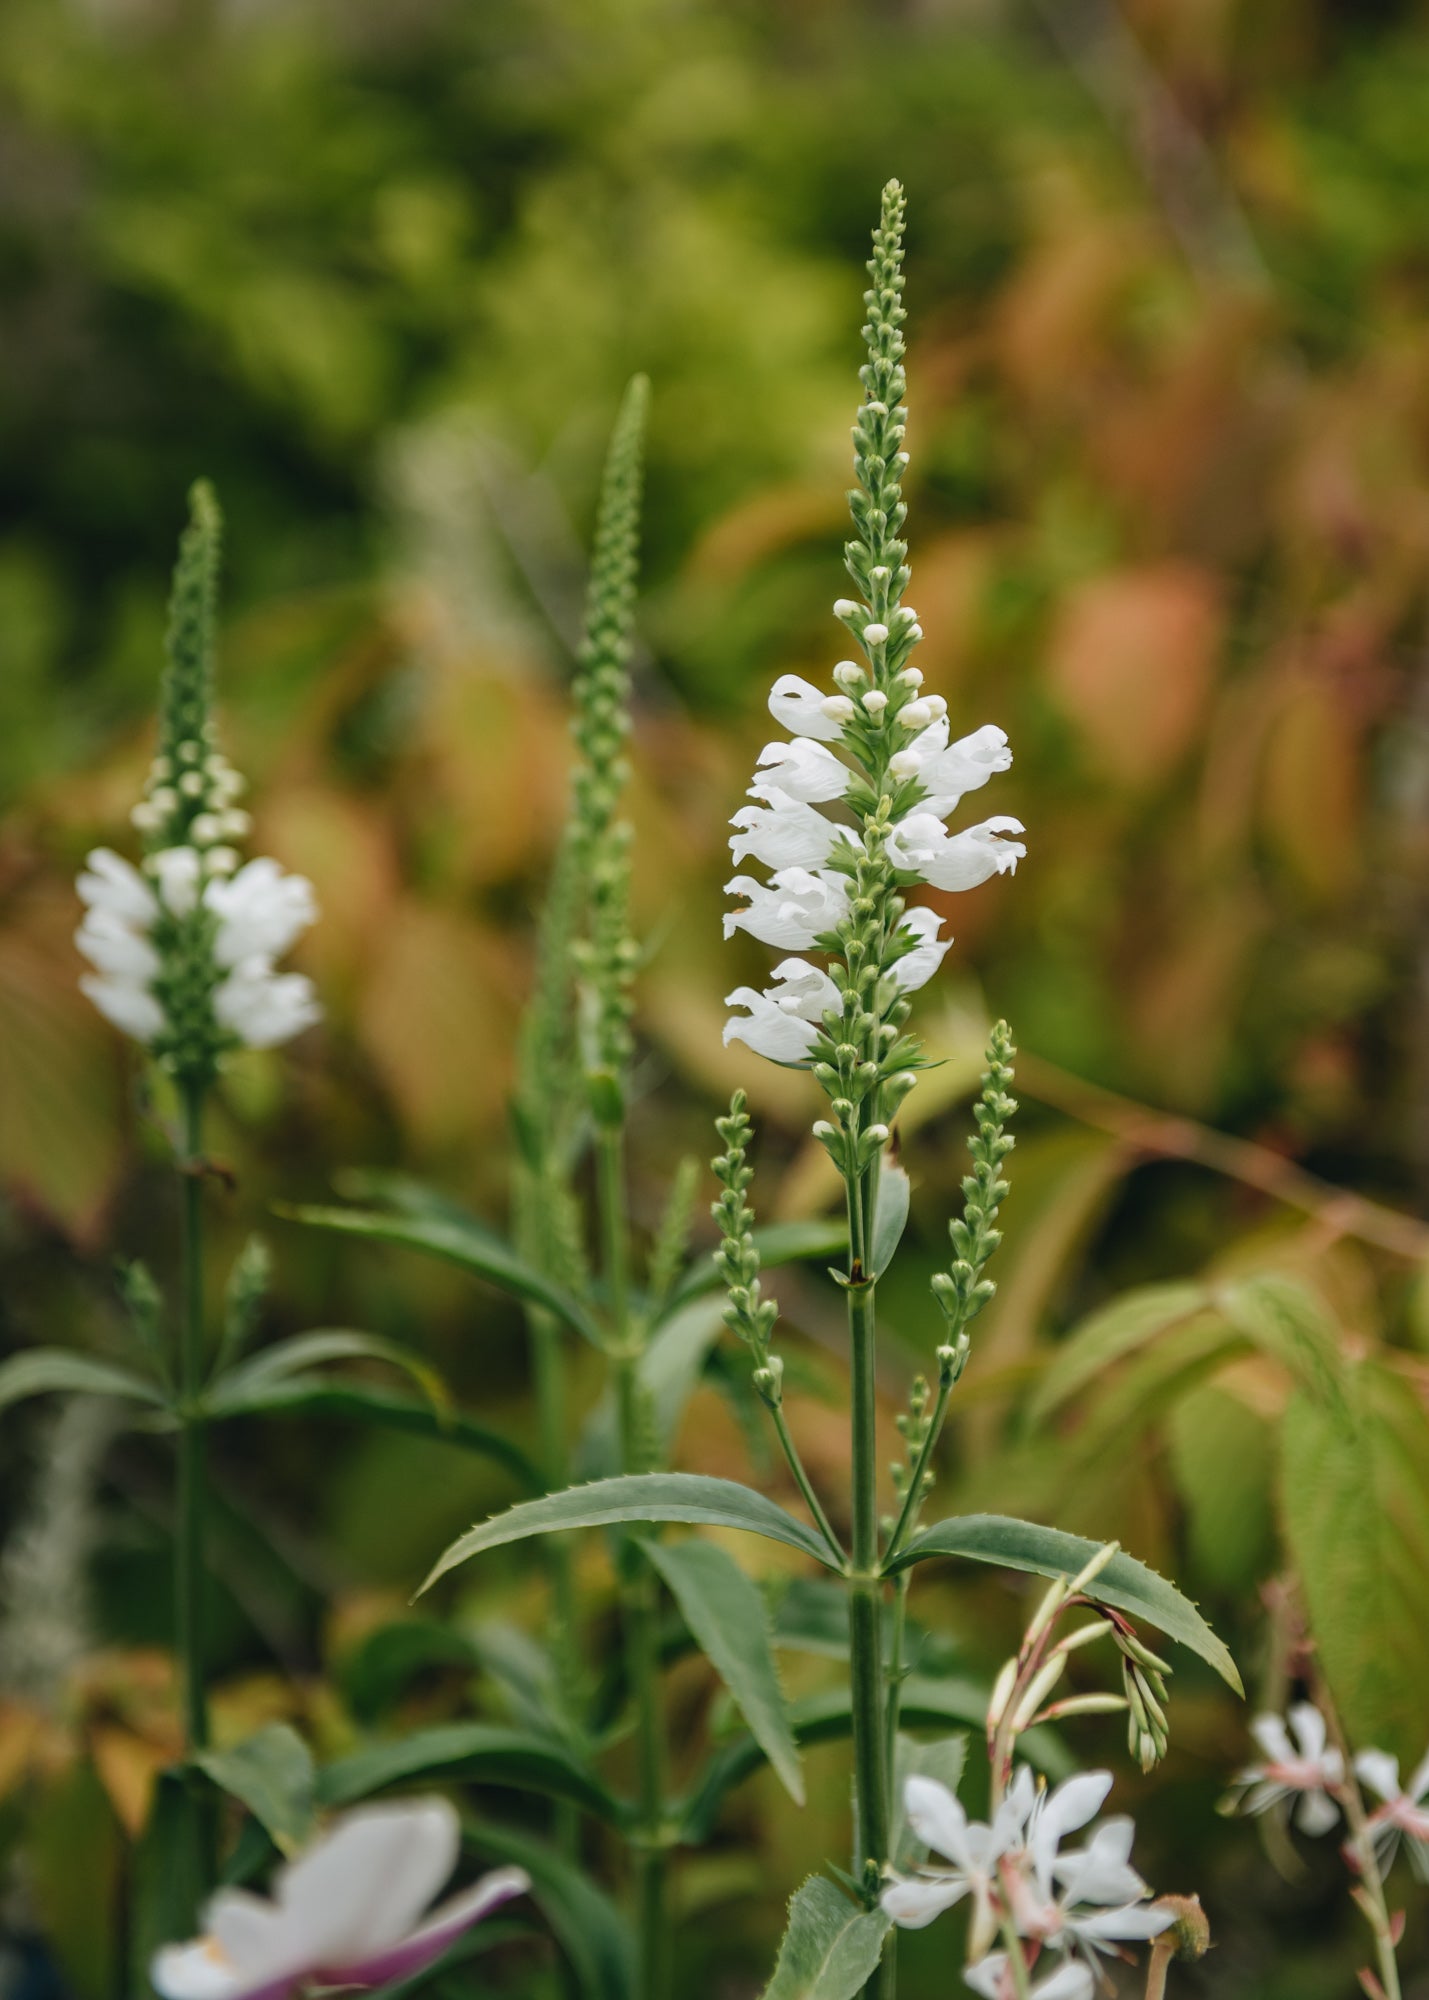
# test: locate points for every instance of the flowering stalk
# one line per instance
(839, 887)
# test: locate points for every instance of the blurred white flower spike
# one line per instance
(184, 949)
(349, 1912)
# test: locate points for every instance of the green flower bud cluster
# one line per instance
(748, 1313)
(914, 1426)
(962, 1292)
(1143, 1680)
(877, 559)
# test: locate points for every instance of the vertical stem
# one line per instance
(548, 1374)
(189, 1567)
(895, 1681)
(1374, 1903)
(865, 1587)
(638, 1591)
(1017, 1964)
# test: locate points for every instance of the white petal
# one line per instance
(804, 989)
(177, 870)
(1274, 1739)
(918, 967)
(132, 1009)
(1418, 1784)
(418, 1948)
(803, 770)
(1137, 1921)
(937, 1818)
(364, 1885)
(1101, 1872)
(261, 911)
(768, 1028)
(116, 947)
(913, 1904)
(1310, 1731)
(259, 1939)
(1380, 1772)
(1316, 1813)
(922, 844)
(194, 1972)
(791, 911)
(264, 1008)
(1071, 1981)
(1071, 1805)
(784, 834)
(965, 766)
(798, 706)
(110, 883)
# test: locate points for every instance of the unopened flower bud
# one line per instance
(875, 701)
(875, 634)
(844, 607)
(1001, 1693)
(837, 707)
(849, 674)
(912, 677)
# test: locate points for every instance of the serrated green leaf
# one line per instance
(459, 1241)
(1286, 1321)
(777, 1243)
(357, 1403)
(478, 1752)
(1354, 1496)
(1125, 1583)
(831, 1947)
(1110, 1334)
(730, 1621)
(44, 1371)
(272, 1774)
(693, 1498)
(305, 1351)
(590, 1931)
(890, 1215)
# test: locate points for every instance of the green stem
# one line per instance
(548, 1373)
(805, 1484)
(1021, 1982)
(189, 1566)
(639, 1594)
(913, 1498)
(895, 1680)
(865, 1584)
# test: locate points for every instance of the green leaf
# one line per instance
(272, 1774)
(1224, 1459)
(1287, 1322)
(304, 1351)
(478, 1752)
(584, 1922)
(316, 1397)
(43, 1371)
(376, 1673)
(777, 1243)
(831, 1947)
(827, 1718)
(384, 1187)
(669, 1371)
(730, 1621)
(1125, 1583)
(166, 1884)
(890, 1214)
(1107, 1336)
(942, 1761)
(1354, 1496)
(465, 1242)
(700, 1501)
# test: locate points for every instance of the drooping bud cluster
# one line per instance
(748, 1313)
(837, 884)
(962, 1292)
(184, 950)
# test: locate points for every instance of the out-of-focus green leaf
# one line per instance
(1109, 1334)
(1285, 1321)
(777, 1243)
(670, 1371)
(272, 1774)
(376, 1673)
(168, 1883)
(890, 1217)
(44, 1371)
(693, 1498)
(467, 1243)
(728, 1617)
(1354, 1497)
(1125, 1583)
(1223, 1455)
(831, 1947)
(316, 1397)
(586, 1925)
(288, 1358)
(477, 1752)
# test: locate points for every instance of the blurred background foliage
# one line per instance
(381, 273)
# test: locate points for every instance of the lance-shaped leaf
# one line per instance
(478, 1752)
(827, 1718)
(590, 1931)
(467, 1243)
(305, 1351)
(1125, 1583)
(890, 1215)
(690, 1497)
(43, 1371)
(730, 1621)
(831, 1947)
(1111, 1333)
(777, 1243)
(354, 1402)
(272, 1774)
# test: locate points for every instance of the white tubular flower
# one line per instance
(792, 911)
(922, 845)
(1305, 1769)
(948, 772)
(782, 1021)
(919, 965)
(804, 710)
(264, 1008)
(348, 1912)
(784, 834)
(260, 910)
(974, 1850)
(112, 885)
(1404, 1815)
(116, 948)
(179, 874)
(801, 770)
(992, 1977)
(131, 1008)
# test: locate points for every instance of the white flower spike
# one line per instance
(348, 1912)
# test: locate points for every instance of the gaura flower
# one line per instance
(992, 1977)
(348, 1912)
(922, 845)
(975, 1851)
(781, 1021)
(1306, 1769)
(1404, 1813)
(1088, 1901)
(785, 833)
(801, 770)
(791, 911)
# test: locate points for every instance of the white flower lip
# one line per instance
(922, 845)
(780, 1022)
(803, 770)
(785, 833)
(801, 708)
(791, 910)
(348, 1912)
